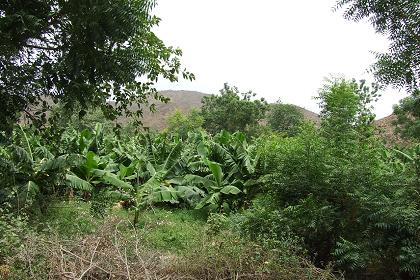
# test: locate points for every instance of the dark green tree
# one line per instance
(232, 110)
(285, 118)
(399, 20)
(80, 52)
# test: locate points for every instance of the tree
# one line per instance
(346, 112)
(285, 118)
(399, 20)
(80, 52)
(184, 123)
(232, 110)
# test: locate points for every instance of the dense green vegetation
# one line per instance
(237, 190)
(399, 20)
(285, 118)
(80, 53)
(333, 195)
(232, 110)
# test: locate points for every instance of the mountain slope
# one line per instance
(185, 101)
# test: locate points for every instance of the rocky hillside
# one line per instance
(187, 100)
(181, 100)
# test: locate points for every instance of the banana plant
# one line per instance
(220, 188)
(152, 180)
(33, 171)
(96, 172)
(236, 158)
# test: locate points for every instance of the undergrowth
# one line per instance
(166, 244)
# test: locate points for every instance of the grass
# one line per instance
(175, 231)
(166, 244)
(162, 229)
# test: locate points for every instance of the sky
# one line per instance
(278, 49)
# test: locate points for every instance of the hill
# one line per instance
(386, 130)
(182, 100)
(185, 101)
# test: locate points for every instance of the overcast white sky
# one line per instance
(278, 49)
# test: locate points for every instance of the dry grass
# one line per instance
(118, 251)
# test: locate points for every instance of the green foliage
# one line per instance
(345, 108)
(175, 231)
(13, 229)
(70, 219)
(182, 124)
(218, 187)
(232, 110)
(408, 117)
(285, 118)
(334, 194)
(31, 174)
(217, 223)
(80, 53)
(399, 21)
(352, 201)
(168, 244)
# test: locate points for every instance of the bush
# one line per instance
(13, 231)
(352, 201)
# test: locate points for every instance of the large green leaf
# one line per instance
(173, 157)
(217, 172)
(202, 150)
(22, 155)
(251, 182)
(123, 170)
(176, 181)
(148, 188)
(54, 163)
(91, 161)
(117, 195)
(113, 180)
(77, 183)
(195, 180)
(43, 152)
(166, 194)
(151, 169)
(212, 199)
(85, 140)
(230, 190)
(189, 191)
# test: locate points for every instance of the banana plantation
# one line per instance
(105, 177)
(331, 197)
(217, 172)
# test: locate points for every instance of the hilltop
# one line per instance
(185, 101)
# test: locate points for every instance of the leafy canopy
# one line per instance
(182, 123)
(399, 20)
(285, 118)
(346, 110)
(232, 110)
(82, 52)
